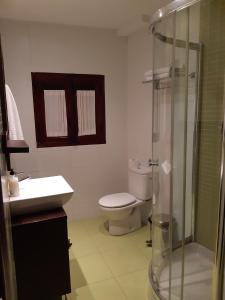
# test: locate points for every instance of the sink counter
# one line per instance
(41, 194)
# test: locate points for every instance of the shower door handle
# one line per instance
(153, 163)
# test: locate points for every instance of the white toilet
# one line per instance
(127, 212)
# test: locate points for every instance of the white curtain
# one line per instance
(86, 112)
(55, 113)
(15, 129)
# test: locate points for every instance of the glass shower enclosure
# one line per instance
(188, 105)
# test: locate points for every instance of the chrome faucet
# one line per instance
(22, 176)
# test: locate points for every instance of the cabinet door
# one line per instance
(41, 256)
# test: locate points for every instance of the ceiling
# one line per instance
(122, 15)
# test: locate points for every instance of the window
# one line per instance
(69, 109)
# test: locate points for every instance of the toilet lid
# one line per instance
(117, 200)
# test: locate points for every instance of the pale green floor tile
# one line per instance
(108, 288)
(104, 290)
(93, 268)
(135, 285)
(77, 232)
(106, 242)
(77, 276)
(82, 245)
(125, 260)
(83, 293)
(147, 252)
(71, 254)
(96, 225)
(150, 294)
(99, 237)
(140, 238)
(97, 259)
(83, 248)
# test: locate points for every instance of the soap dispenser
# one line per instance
(13, 184)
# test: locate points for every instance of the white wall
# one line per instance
(139, 96)
(92, 171)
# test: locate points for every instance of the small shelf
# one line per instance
(17, 146)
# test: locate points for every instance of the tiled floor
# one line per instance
(105, 267)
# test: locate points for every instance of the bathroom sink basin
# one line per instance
(41, 194)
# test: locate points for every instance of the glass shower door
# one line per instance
(175, 267)
(161, 141)
(188, 130)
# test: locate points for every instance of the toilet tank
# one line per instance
(140, 181)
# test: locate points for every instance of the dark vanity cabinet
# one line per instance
(41, 252)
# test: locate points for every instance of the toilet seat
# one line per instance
(118, 200)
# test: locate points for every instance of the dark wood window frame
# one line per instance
(70, 83)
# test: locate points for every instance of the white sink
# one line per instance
(41, 194)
